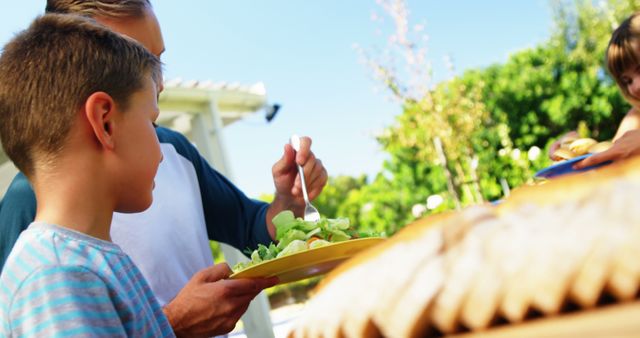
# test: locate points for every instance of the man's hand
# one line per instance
(288, 184)
(626, 146)
(211, 305)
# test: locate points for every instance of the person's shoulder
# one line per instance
(36, 260)
(166, 135)
(62, 272)
(17, 209)
(19, 191)
(43, 282)
(180, 143)
(34, 249)
(45, 244)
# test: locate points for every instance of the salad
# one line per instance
(295, 235)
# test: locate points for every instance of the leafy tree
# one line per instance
(494, 123)
(335, 192)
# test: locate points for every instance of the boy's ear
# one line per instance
(99, 109)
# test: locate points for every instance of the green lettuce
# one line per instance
(294, 234)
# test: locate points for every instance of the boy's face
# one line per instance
(144, 151)
(138, 149)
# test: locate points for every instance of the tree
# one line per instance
(336, 192)
(494, 123)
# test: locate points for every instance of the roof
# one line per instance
(233, 101)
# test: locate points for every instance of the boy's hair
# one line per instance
(48, 71)
(104, 8)
(623, 53)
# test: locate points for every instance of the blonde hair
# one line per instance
(48, 71)
(104, 8)
(623, 53)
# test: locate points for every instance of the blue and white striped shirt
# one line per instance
(58, 282)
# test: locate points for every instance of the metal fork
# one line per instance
(311, 214)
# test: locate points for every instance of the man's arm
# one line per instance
(233, 218)
(230, 216)
(17, 211)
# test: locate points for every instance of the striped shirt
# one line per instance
(58, 282)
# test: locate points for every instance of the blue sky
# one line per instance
(303, 52)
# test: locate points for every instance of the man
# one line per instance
(192, 204)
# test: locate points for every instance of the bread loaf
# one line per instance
(568, 242)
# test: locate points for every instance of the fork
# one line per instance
(311, 214)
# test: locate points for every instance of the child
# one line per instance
(192, 203)
(77, 110)
(623, 63)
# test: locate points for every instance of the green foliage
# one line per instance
(335, 192)
(216, 252)
(266, 198)
(492, 122)
(495, 124)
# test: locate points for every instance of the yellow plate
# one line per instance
(308, 263)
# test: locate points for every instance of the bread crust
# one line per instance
(569, 241)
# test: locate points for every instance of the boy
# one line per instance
(169, 242)
(77, 109)
(193, 203)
